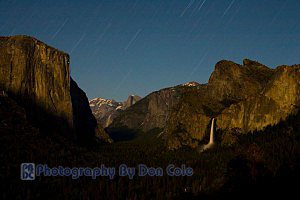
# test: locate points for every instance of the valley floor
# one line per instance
(265, 162)
(217, 173)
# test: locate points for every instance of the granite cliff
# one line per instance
(151, 111)
(132, 99)
(85, 123)
(275, 101)
(241, 97)
(37, 77)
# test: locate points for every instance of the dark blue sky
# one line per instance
(124, 47)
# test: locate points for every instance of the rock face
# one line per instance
(37, 77)
(132, 99)
(275, 102)
(244, 97)
(85, 123)
(150, 112)
(241, 98)
(106, 110)
(231, 81)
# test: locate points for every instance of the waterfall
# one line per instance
(211, 139)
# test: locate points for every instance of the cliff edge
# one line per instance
(37, 77)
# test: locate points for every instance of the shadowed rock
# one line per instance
(37, 77)
(86, 125)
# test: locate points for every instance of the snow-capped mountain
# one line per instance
(105, 110)
(191, 84)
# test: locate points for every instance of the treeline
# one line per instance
(263, 161)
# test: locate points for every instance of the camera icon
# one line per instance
(27, 171)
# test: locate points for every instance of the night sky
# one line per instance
(124, 47)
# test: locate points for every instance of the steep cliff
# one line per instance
(231, 81)
(243, 98)
(132, 99)
(37, 77)
(276, 101)
(151, 111)
(86, 126)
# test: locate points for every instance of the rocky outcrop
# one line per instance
(85, 123)
(244, 97)
(275, 102)
(106, 110)
(37, 77)
(190, 117)
(150, 112)
(241, 97)
(132, 99)
(236, 82)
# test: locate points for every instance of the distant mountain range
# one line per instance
(106, 110)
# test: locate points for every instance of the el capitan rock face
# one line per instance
(37, 77)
